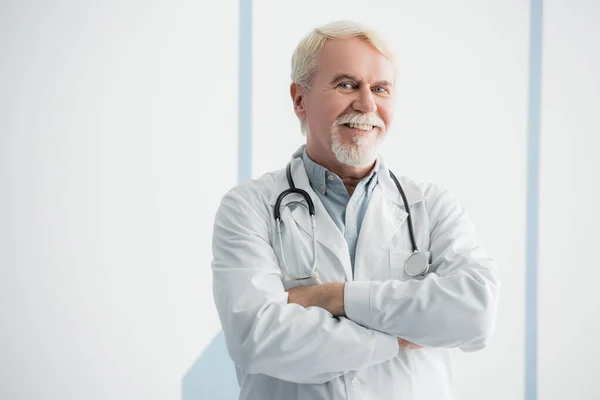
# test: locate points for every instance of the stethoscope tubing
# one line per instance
(311, 210)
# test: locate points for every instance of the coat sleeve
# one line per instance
(265, 334)
(453, 306)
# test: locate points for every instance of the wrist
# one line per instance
(335, 299)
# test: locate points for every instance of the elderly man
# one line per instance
(354, 284)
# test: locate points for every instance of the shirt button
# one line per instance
(351, 207)
(355, 382)
(330, 177)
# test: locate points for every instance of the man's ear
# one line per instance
(297, 94)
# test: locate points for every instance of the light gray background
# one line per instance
(118, 137)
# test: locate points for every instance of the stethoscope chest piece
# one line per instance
(417, 264)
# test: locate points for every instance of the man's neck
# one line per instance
(350, 176)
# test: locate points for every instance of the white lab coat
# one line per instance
(286, 351)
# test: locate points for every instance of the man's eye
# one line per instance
(381, 89)
(346, 85)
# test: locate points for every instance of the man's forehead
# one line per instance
(354, 57)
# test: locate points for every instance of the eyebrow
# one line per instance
(340, 77)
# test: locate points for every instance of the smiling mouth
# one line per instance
(362, 127)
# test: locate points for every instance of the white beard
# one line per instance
(359, 154)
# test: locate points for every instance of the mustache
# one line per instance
(365, 119)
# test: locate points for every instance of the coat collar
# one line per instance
(390, 190)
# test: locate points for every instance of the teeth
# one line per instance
(363, 127)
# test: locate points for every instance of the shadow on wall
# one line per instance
(212, 377)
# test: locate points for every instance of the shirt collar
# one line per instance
(317, 175)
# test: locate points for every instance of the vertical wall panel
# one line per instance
(570, 192)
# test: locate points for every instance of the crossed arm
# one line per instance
(453, 306)
(330, 297)
(273, 332)
(264, 333)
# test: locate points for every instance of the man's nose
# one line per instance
(365, 102)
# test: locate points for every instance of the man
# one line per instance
(332, 312)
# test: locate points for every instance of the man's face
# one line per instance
(350, 104)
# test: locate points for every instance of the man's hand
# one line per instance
(329, 296)
(406, 345)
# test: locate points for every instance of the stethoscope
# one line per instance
(417, 265)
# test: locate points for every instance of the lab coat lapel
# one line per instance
(384, 216)
(327, 231)
(382, 220)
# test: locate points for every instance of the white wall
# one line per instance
(569, 303)
(460, 122)
(116, 145)
(111, 114)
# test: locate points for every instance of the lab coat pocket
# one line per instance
(398, 259)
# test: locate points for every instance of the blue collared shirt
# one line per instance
(346, 211)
